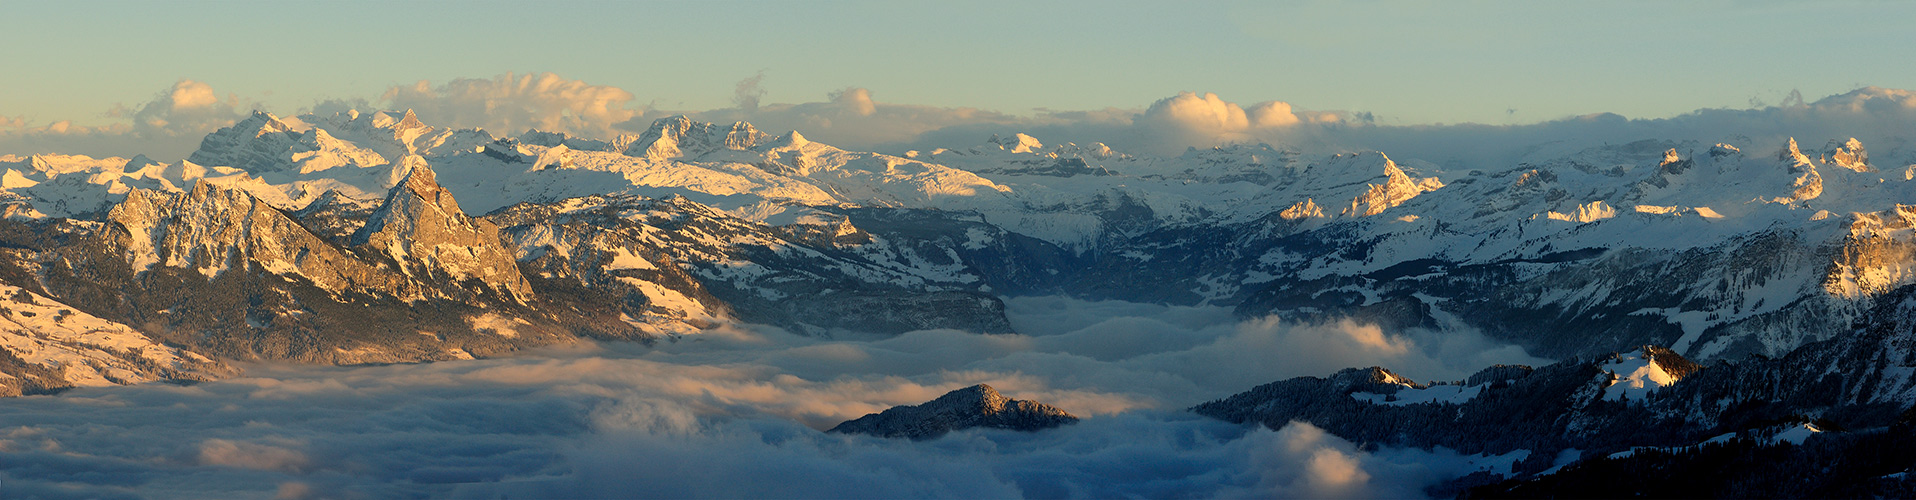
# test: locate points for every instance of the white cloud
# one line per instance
(251, 455)
(850, 118)
(1191, 114)
(509, 104)
(1166, 127)
(169, 126)
(737, 414)
(189, 109)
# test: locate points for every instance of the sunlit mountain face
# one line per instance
(1196, 298)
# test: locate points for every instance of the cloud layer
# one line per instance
(737, 413)
(510, 104)
(170, 125)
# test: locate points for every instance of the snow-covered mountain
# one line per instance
(297, 237)
(1620, 404)
(47, 346)
(1700, 292)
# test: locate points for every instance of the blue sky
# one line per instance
(1407, 62)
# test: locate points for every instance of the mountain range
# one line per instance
(1693, 289)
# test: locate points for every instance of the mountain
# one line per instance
(1848, 388)
(1725, 301)
(336, 239)
(47, 346)
(975, 406)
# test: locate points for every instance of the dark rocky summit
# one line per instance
(975, 406)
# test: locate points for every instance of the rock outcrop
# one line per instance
(975, 406)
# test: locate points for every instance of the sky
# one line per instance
(1405, 62)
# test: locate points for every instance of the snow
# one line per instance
(496, 324)
(623, 260)
(666, 300)
(1083, 197)
(1796, 434)
(87, 351)
(1637, 375)
(977, 238)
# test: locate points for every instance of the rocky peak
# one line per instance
(679, 136)
(976, 406)
(214, 229)
(741, 136)
(1807, 183)
(1365, 377)
(1396, 188)
(262, 123)
(507, 150)
(422, 228)
(1670, 157)
(1847, 154)
(253, 144)
(1792, 155)
(1017, 143)
(408, 122)
(1302, 210)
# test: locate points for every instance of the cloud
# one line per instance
(746, 95)
(251, 455)
(509, 104)
(168, 126)
(189, 109)
(1166, 127)
(850, 118)
(171, 124)
(738, 413)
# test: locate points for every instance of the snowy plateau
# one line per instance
(1742, 299)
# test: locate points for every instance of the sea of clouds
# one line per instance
(738, 412)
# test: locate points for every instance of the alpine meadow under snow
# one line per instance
(567, 297)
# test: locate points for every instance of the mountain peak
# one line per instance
(420, 179)
(1017, 143)
(679, 136)
(1807, 183)
(138, 162)
(1847, 154)
(980, 396)
(791, 139)
(976, 406)
(1792, 154)
(422, 228)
